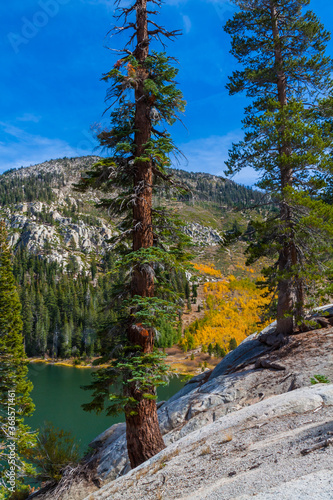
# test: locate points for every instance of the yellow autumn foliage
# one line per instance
(208, 270)
(233, 308)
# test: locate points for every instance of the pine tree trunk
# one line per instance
(285, 322)
(144, 438)
(288, 254)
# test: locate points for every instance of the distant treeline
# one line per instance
(223, 192)
(15, 189)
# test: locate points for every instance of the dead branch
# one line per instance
(318, 446)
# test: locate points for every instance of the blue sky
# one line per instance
(53, 55)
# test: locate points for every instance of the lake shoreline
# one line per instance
(181, 363)
(63, 362)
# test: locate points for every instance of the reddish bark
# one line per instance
(143, 442)
(144, 438)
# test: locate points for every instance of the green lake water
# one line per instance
(58, 399)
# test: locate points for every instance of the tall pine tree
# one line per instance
(150, 243)
(288, 140)
(15, 402)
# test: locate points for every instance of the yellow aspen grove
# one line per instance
(233, 310)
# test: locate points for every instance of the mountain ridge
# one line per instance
(42, 209)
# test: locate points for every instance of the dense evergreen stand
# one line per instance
(15, 388)
(150, 242)
(288, 139)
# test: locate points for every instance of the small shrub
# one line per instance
(319, 379)
(55, 450)
(21, 493)
(192, 356)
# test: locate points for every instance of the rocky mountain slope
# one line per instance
(258, 452)
(231, 433)
(48, 218)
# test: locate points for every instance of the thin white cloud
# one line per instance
(223, 8)
(29, 117)
(187, 24)
(248, 177)
(23, 149)
(209, 154)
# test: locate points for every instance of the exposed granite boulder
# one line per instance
(228, 392)
(202, 235)
(259, 451)
(209, 396)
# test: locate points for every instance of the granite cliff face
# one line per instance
(59, 228)
(58, 239)
(203, 236)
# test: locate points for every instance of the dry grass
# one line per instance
(182, 363)
(197, 444)
(174, 453)
(226, 438)
(206, 451)
(159, 495)
(159, 467)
